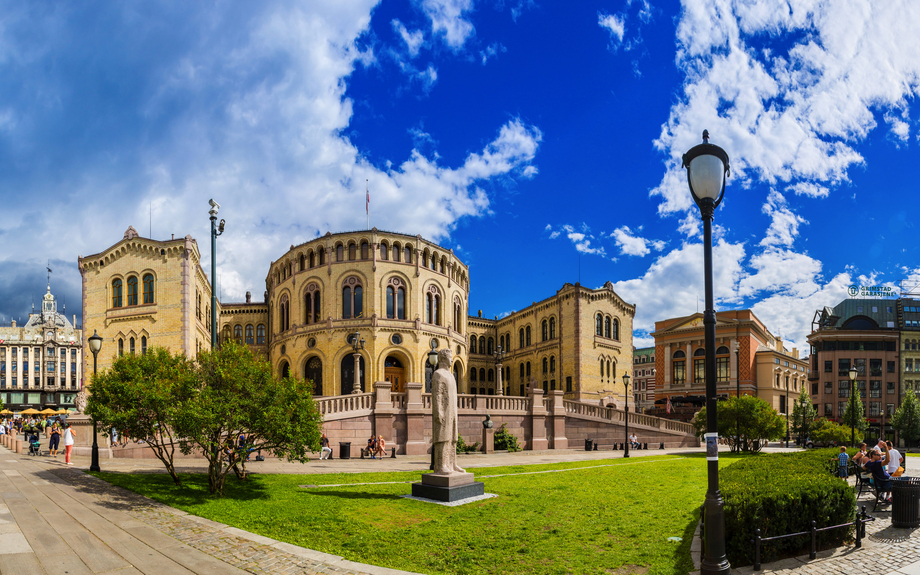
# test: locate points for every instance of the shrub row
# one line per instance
(781, 493)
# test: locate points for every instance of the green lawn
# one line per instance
(593, 517)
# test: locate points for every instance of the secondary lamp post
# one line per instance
(215, 231)
(626, 390)
(95, 344)
(853, 391)
(707, 167)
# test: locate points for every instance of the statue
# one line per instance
(487, 424)
(80, 401)
(444, 417)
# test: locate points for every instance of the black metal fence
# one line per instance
(860, 523)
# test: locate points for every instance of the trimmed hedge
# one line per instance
(781, 493)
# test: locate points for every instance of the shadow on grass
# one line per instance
(160, 487)
(348, 494)
(683, 563)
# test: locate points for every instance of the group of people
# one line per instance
(32, 428)
(376, 446)
(883, 461)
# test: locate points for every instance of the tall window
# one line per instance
(408, 255)
(352, 251)
(607, 326)
(132, 290)
(249, 335)
(396, 300)
(616, 329)
(433, 307)
(148, 288)
(312, 259)
(339, 253)
(131, 345)
(322, 255)
(260, 334)
(521, 338)
(491, 344)
(396, 252)
(383, 252)
(699, 365)
(473, 348)
(722, 364)
(352, 299)
(364, 250)
(545, 365)
(312, 305)
(116, 293)
(679, 368)
(599, 325)
(482, 345)
(527, 333)
(284, 312)
(552, 364)
(544, 331)
(238, 333)
(143, 349)
(552, 328)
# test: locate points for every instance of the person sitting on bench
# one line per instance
(633, 441)
(878, 466)
(381, 447)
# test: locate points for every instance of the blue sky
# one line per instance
(539, 140)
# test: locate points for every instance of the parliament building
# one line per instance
(380, 299)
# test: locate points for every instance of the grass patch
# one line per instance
(583, 517)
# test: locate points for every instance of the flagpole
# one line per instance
(367, 205)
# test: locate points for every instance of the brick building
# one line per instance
(643, 378)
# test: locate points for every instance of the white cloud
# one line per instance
(781, 271)
(792, 111)
(491, 51)
(784, 225)
(448, 18)
(614, 25)
(809, 189)
(632, 245)
(413, 40)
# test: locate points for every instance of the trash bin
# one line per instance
(905, 501)
(589, 444)
(345, 450)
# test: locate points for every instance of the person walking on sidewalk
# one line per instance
(68, 443)
(55, 440)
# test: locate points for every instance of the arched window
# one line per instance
(552, 364)
(284, 313)
(396, 250)
(491, 376)
(722, 364)
(545, 365)
(249, 335)
(473, 348)
(599, 325)
(473, 374)
(131, 345)
(121, 347)
(482, 374)
(322, 255)
(116, 293)
(198, 306)
(408, 254)
(303, 262)
(482, 344)
(383, 252)
(602, 367)
(616, 329)
(143, 345)
(527, 333)
(433, 307)
(552, 328)
(238, 333)
(491, 346)
(148, 288)
(391, 302)
(521, 338)
(528, 369)
(679, 367)
(339, 253)
(312, 259)
(544, 330)
(352, 299)
(260, 334)
(607, 326)
(364, 250)
(352, 251)
(699, 365)
(132, 290)
(522, 372)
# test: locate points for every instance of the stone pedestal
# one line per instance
(488, 440)
(448, 487)
(83, 437)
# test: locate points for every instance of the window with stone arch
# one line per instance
(339, 253)
(491, 375)
(312, 304)
(260, 334)
(352, 251)
(482, 344)
(473, 344)
(616, 329)
(148, 288)
(321, 255)
(352, 298)
(679, 367)
(443, 263)
(312, 259)
(521, 338)
(490, 346)
(396, 298)
(383, 252)
(284, 311)
(408, 254)
(238, 333)
(434, 262)
(544, 330)
(473, 374)
(116, 293)
(552, 328)
(396, 250)
(365, 252)
(482, 374)
(249, 335)
(527, 333)
(303, 262)
(433, 305)
(198, 306)
(545, 365)
(552, 364)
(607, 326)
(458, 315)
(599, 325)
(522, 372)
(722, 364)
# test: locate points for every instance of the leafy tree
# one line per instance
(140, 395)
(907, 418)
(233, 395)
(826, 431)
(855, 415)
(749, 416)
(803, 414)
(504, 439)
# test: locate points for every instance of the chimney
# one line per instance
(795, 352)
(480, 315)
(249, 299)
(14, 323)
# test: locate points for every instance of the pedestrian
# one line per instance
(114, 438)
(895, 469)
(55, 440)
(324, 443)
(843, 459)
(69, 437)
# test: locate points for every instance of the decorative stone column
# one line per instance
(537, 420)
(356, 388)
(501, 386)
(416, 444)
(383, 413)
(558, 439)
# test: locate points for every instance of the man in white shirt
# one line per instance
(894, 466)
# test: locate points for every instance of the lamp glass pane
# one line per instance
(706, 174)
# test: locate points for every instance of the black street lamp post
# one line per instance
(626, 419)
(95, 344)
(215, 231)
(707, 167)
(853, 391)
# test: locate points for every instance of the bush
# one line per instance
(504, 439)
(780, 494)
(464, 447)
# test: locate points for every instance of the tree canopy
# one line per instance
(746, 422)
(906, 419)
(803, 414)
(855, 415)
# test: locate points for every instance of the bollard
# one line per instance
(393, 453)
(757, 550)
(814, 541)
(645, 446)
(661, 445)
(595, 446)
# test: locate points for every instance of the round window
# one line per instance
(434, 343)
(396, 339)
(283, 349)
(311, 342)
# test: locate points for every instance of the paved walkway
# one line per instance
(56, 519)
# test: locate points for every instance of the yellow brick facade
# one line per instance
(170, 319)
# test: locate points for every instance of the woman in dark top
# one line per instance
(55, 440)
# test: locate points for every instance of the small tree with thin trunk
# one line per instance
(803, 415)
(906, 419)
(234, 396)
(140, 396)
(855, 415)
